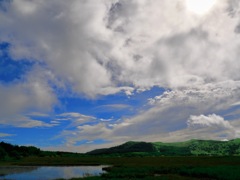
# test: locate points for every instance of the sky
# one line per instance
(76, 75)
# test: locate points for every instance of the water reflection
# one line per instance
(15, 170)
(49, 172)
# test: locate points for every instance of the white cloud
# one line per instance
(208, 127)
(166, 119)
(75, 118)
(5, 135)
(236, 103)
(135, 43)
(208, 121)
(106, 120)
(141, 43)
(107, 46)
(211, 95)
(38, 114)
(28, 94)
(74, 115)
(25, 96)
(23, 122)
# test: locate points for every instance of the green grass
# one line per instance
(174, 168)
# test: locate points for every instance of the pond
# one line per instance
(49, 172)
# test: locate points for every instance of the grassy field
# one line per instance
(149, 167)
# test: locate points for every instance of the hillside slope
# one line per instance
(128, 147)
(192, 147)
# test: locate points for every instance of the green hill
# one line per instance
(128, 147)
(191, 147)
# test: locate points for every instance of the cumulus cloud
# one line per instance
(123, 42)
(208, 121)
(103, 47)
(207, 127)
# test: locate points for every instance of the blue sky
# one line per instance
(84, 75)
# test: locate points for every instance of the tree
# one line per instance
(3, 153)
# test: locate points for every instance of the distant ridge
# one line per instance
(191, 147)
(127, 147)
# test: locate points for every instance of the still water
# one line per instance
(48, 172)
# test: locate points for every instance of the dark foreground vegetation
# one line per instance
(201, 167)
(135, 164)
